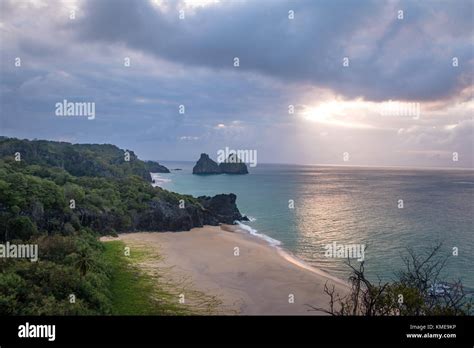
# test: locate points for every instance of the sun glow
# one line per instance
(339, 113)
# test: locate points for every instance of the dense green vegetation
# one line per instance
(80, 159)
(36, 199)
(62, 197)
(71, 278)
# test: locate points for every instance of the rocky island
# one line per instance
(206, 165)
(233, 165)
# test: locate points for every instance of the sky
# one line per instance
(379, 83)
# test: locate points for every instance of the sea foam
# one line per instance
(253, 232)
(288, 256)
(157, 180)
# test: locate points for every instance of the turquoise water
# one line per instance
(351, 205)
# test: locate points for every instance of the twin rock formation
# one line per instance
(233, 165)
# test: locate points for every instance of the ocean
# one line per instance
(303, 209)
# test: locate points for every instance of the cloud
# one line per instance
(409, 59)
(190, 62)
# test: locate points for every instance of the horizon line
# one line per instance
(271, 163)
(341, 165)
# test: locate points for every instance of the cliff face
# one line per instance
(233, 165)
(222, 208)
(155, 167)
(166, 215)
(205, 165)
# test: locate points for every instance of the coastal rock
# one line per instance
(166, 216)
(155, 167)
(163, 215)
(205, 165)
(160, 215)
(222, 208)
(233, 165)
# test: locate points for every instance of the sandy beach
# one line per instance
(247, 275)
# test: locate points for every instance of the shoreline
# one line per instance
(246, 274)
(284, 253)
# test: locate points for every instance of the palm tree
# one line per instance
(84, 261)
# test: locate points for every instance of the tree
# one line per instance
(20, 227)
(418, 290)
(84, 261)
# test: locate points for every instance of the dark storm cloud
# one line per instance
(282, 62)
(389, 58)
